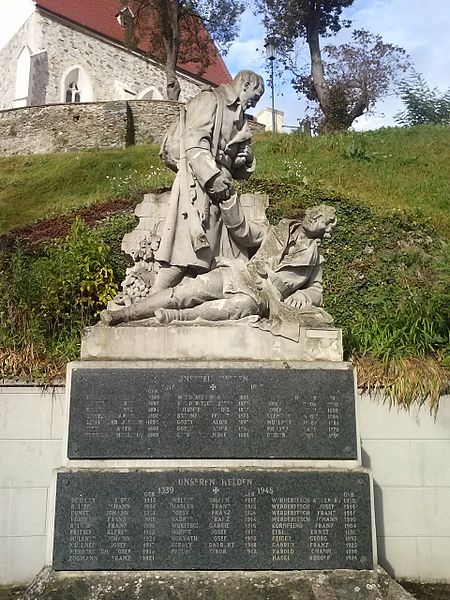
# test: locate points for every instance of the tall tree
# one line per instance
(288, 21)
(357, 75)
(180, 31)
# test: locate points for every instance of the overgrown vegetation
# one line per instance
(387, 279)
(48, 296)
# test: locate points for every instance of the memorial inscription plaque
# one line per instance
(223, 413)
(213, 520)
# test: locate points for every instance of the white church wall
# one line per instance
(107, 71)
(23, 77)
(102, 65)
(9, 55)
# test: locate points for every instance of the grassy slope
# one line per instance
(385, 169)
(389, 168)
(44, 186)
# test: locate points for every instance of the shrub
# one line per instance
(51, 294)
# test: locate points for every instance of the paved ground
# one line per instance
(427, 591)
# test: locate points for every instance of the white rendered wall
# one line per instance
(9, 54)
(265, 117)
(409, 455)
(31, 431)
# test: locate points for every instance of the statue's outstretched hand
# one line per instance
(298, 300)
(245, 157)
(220, 187)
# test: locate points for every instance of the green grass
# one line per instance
(387, 274)
(403, 168)
(44, 186)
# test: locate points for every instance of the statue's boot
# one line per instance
(139, 310)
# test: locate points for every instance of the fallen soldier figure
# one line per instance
(282, 282)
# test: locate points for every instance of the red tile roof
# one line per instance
(100, 16)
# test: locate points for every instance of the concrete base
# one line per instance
(238, 340)
(182, 585)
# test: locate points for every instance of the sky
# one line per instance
(421, 27)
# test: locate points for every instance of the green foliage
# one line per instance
(395, 168)
(175, 32)
(387, 277)
(423, 105)
(111, 232)
(50, 295)
(357, 74)
(133, 184)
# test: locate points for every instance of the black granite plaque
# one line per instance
(147, 413)
(213, 520)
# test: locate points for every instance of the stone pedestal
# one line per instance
(211, 448)
(253, 585)
(233, 340)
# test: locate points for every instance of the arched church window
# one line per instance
(76, 86)
(73, 93)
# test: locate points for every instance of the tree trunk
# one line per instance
(172, 84)
(170, 17)
(317, 74)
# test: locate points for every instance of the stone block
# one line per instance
(118, 411)
(276, 585)
(148, 340)
(25, 413)
(59, 408)
(213, 519)
(23, 511)
(30, 462)
(415, 558)
(406, 511)
(408, 463)
(379, 421)
(21, 558)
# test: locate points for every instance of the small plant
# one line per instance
(292, 169)
(132, 184)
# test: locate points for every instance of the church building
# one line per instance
(72, 51)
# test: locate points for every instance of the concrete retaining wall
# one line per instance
(31, 432)
(409, 456)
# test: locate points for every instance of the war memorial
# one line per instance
(212, 443)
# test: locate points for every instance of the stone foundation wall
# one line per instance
(63, 128)
(102, 125)
(151, 119)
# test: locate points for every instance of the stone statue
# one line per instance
(281, 284)
(208, 148)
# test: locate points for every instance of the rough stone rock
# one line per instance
(151, 585)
